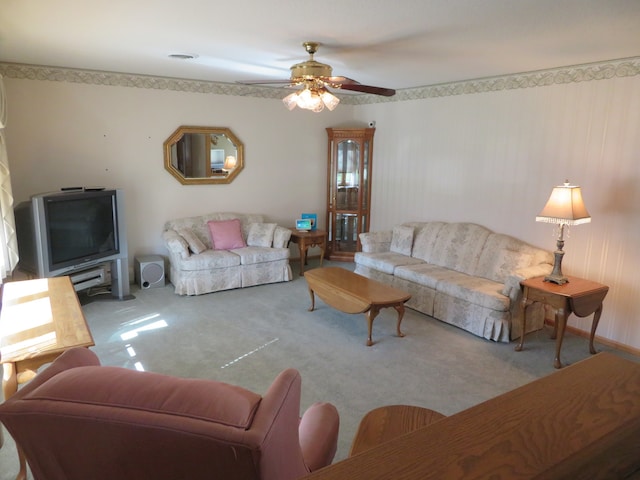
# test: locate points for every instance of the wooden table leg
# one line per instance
(322, 248)
(400, 309)
(10, 387)
(594, 326)
(9, 380)
(313, 300)
(303, 256)
(525, 303)
(371, 315)
(561, 323)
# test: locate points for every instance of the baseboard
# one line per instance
(605, 341)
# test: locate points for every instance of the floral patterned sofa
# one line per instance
(221, 251)
(460, 273)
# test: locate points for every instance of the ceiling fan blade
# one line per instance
(357, 87)
(338, 80)
(264, 82)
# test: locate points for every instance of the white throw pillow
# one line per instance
(195, 244)
(261, 234)
(402, 240)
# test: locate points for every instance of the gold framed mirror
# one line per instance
(203, 155)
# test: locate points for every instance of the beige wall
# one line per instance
(63, 134)
(491, 158)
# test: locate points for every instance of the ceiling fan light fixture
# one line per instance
(291, 100)
(330, 101)
(310, 98)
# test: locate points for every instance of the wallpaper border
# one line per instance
(627, 67)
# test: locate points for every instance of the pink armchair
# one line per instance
(79, 420)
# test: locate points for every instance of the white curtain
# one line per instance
(8, 243)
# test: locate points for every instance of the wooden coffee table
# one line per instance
(352, 293)
(40, 320)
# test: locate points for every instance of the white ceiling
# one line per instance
(401, 44)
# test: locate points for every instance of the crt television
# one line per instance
(61, 232)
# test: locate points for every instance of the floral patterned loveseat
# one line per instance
(460, 273)
(221, 251)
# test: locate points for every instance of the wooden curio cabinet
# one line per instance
(348, 190)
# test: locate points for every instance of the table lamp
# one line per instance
(565, 207)
(229, 163)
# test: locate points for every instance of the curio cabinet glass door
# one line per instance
(348, 189)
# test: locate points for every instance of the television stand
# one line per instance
(101, 275)
(89, 278)
(120, 279)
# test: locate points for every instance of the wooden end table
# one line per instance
(40, 320)
(304, 240)
(580, 296)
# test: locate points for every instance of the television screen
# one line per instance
(80, 227)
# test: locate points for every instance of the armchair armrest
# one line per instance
(374, 242)
(72, 358)
(318, 431)
(175, 243)
(281, 236)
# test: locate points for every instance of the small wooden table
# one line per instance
(391, 421)
(312, 238)
(352, 293)
(40, 319)
(580, 296)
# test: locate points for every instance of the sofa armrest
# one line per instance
(512, 283)
(281, 236)
(318, 432)
(375, 242)
(175, 243)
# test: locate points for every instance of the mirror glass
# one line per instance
(203, 155)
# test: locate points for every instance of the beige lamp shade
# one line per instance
(565, 206)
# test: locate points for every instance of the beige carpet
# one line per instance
(248, 336)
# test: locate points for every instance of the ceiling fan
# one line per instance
(315, 77)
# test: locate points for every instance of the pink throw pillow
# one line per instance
(226, 234)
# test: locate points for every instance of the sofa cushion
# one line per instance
(402, 239)
(261, 234)
(425, 274)
(210, 259)
(459, 246)
(226, 234)
(502, 255)
(475, 290)
(384, 261)
(195, 244)
(251, 255)
(281, 237)
(425, 239)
